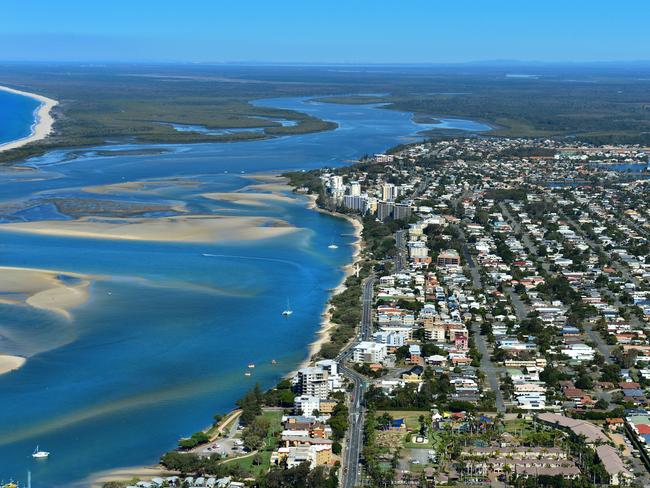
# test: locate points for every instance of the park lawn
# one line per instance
(410, 417)
(518, 426)
(246, 461)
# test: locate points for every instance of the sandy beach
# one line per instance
(276, 183)
(195, 228)
(42, 125)
(348, 270)
(126, 474)
(10, 363)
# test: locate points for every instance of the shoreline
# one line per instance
(280, 183)
(276, 184)
(43, 120)
(348, 270)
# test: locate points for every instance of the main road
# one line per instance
(355, 431)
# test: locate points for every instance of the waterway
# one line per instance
(163, 340)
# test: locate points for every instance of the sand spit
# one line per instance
(43, 124)
(126, 474)
(10, 363)
(197, 228)
(256, 199)
(44, 289)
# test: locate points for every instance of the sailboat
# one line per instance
(332, 246)
(40, 454)
(288, 310)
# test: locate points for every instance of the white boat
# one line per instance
(332, 246)
(40, 454)
(288, 310)
(251, 365)
(247, 373)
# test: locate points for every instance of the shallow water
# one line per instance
(164, 339)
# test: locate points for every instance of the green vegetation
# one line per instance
(345, 315)
(251, 405)
(123, 103)
(196, 439)
(300, 477)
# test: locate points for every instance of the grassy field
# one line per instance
(410, 417)
(246, 461)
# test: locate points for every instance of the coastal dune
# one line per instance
(197, 228)
(42, 125)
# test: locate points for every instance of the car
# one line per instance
(415, 461)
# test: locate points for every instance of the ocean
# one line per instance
(16, 116)
(163, 341)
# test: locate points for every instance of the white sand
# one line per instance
(326, 324)
(197, 228)
(97, 480)
(242, 198)
(43, 124)
(10, 363)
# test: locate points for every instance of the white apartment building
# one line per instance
(369, 352)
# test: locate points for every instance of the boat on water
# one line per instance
(332, 246)
(273, 361)
(38, 454)
(287, 311)
(247, 373)
(251, 365)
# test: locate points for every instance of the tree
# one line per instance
(251, 405)
(254, 435)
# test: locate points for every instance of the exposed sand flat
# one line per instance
(242, 198)
(145, 186)
(43, 123)
(60, 299)
(199, 228)
(44, 289)
(126, 474)
(10, 363)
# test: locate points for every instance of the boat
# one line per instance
(287, 311)
(273, 361)
(37, 454)
(332, 246)
(247, 373)
(251, 365)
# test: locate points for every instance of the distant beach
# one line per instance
(43, 122)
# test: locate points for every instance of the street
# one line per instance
(353, 446)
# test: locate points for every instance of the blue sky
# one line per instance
(333, 31)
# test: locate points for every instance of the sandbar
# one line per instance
(10, 363)
(195, 228)
(243, 198)
(43, 289)
(42, 125)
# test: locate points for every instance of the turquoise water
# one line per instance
(16, 116)
(164, 339)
